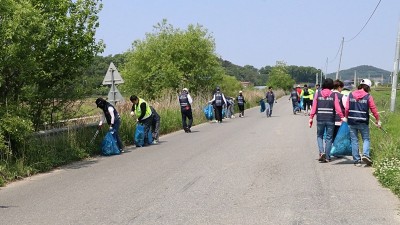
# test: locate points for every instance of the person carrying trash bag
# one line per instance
(185, 101)
(218, 102)
(324, 107)
(270, 98)
(113, 120)
(141, 109)
(357, 109)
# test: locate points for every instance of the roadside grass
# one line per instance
(47, 150)
(385, 144)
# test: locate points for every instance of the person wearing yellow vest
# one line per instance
(308, 96)
(141, 109)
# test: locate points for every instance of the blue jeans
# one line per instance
(117, 123)
(271, 105)
(364, 131)
(322, 127)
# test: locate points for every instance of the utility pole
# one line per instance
(326, 67)
(316, 78)
(340, 59)
(396, 70)
(355, 78)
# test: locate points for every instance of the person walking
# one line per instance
(241, 101)
(358, 105)
(308, 95)
(294, 96)
(270, 97)
(218, 102)
(155, 125)
(324, 108)
(185, 101)
(113, 119)
(143, 113)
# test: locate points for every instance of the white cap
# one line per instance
(366, 82)
(185, 89)
(298, 85)
(240, 92)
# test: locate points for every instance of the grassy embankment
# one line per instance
(385, 144)
(46, 151)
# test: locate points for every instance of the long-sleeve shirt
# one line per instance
(223, 98)
(111, 111)
(325, 93)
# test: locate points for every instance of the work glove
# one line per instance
(379, 124)
(310, 122)
(344, 119)
(132, 113)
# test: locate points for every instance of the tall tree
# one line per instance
(171, 58)
(279, 77)
(46, 45)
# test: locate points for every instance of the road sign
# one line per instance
(114, 95)
(112, 76)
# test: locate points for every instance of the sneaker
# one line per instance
(155, 142)
(357, 162)
(367, 160)
(121, 151)
(322, 157)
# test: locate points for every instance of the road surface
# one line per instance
(251, 170)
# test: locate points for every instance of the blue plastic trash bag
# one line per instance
(139, 135)
(262, 105)
(301, 105)
(109, 145)
(208, 112)
(149, 137)
(342, 143)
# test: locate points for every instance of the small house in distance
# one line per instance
(246, 84)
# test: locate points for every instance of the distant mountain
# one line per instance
(364, 71)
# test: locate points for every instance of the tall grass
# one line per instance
(47, 150)
(385, 144)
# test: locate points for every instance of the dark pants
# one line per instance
(147, 126)
(271, 105)
(241, 109)
(187, 114)
(117, 123)
(218, 113)
(155, 126)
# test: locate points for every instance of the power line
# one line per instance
(366, 22)
(337, 53)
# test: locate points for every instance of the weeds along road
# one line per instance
(252, 170)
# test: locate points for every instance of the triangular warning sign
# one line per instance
(112, 75)
(114, 95)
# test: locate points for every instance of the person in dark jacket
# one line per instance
(218, 102)
(294, 96)
(270, 97)
(113, 119)
(143, 113)
(185, 101)
(241, 102)
(155, 125)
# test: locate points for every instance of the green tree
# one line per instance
(171, 58)
(280, 78)
(46, 46)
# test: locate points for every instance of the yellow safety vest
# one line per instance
(138, 111)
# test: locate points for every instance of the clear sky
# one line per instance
(261, 32)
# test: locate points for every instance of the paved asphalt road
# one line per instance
(251, 170)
